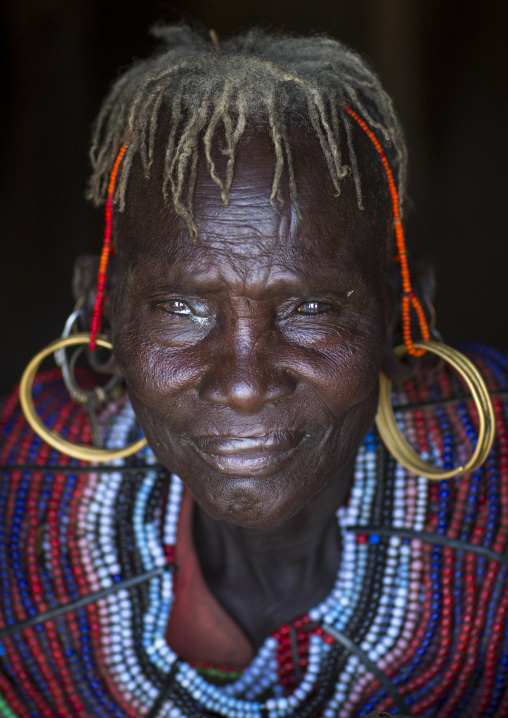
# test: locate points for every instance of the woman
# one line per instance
(289, 566)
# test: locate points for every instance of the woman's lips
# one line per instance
(247, 455)
(254, 444)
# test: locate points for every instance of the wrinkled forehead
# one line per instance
(256, 222)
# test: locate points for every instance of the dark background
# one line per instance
(444, 61)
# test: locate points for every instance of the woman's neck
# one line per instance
(266, 577)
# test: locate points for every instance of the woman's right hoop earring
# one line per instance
(85, 453)
(398, 445)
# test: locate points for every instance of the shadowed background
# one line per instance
(445, 62)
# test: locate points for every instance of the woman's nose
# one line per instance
(245, 376)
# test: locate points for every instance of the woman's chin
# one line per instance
(251, 502)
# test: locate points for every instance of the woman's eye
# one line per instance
(313, 308)
(181, 309)
(175, 306)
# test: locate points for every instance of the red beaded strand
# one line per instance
(408, 297)
(107, 249)
(287, 671)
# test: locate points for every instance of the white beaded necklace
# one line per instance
(384, 638)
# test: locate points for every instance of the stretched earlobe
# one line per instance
(84, 278)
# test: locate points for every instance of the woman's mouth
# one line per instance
(254, 455)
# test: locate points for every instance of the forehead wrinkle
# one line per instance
(243, 194)
(256, 263)
(215, 269)
(251, 222)
(256, 279)
(255, 252)
(252, 242)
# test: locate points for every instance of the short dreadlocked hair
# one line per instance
(256, 76)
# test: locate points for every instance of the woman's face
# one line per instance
(252, 354)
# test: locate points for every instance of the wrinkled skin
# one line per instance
(252, 358)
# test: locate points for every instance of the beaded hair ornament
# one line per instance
(409, 299)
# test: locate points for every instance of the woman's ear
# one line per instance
(423, 279)
(84, 285)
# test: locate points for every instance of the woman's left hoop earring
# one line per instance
(398, 445)
(85, 453)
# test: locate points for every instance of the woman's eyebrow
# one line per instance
(191, 277)
(279, 289)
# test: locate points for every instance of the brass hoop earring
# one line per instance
(85, 453)
(398, 445)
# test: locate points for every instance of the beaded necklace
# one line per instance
(414, 623)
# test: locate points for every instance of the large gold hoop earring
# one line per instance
(398, 445)
(85, 453)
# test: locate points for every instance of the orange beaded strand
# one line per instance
(408, 297)
(107, 249)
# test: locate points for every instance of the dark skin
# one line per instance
(252, 359)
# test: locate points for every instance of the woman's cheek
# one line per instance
(351, 332)
(156, 375)
(142, 363)
(344, 372)
(353, 382)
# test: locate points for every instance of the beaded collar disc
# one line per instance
(415, 623)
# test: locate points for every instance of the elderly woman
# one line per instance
(264, 555)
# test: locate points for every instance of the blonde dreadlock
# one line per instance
(256, 76)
